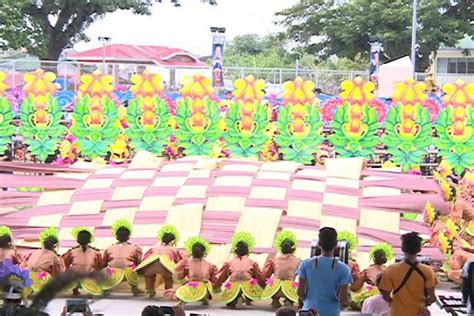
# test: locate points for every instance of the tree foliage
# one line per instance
(322, 28)
(46, 27)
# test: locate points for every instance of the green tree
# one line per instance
(322, 28)
(46, 27)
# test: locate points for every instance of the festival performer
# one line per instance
(245, 277)
(379, 254)
(283, 268)
(45, 263)
(83, 258)
(121, 259)
(161, 260)
(199, 274)
(7, 249)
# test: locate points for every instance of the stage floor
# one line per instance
(121, 304)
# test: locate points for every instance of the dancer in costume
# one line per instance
(7, 249)
(245, 277)
(379, 254)
(45, 263)
(84, 259)
(199, 274)
(121, 259)
(161, 260)
(283, 268)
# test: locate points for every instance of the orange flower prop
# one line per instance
(459, 93)
(197, 87)
(96, 86)
(299, 91)
(409, 92)
(357, 91)
(3, 86)
(147, 86)
(249, 90)
(39, 85)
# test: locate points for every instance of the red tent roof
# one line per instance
(141, 54)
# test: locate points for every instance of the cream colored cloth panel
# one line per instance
(169, 181)
(98, 183)
(302, 253)
(344, 200)
(271, 175)
(145, 160)
(72, 175)
(145, 230)
(103, 243)
(380, 191)
(240, 167)
(339, 223)
(199, 173)
(260, 259)
(57, 197)
(381, 220)
(345, 183)
(226, 203)
(233, 181)
(274, 193)
(308, 185)
(262, 223)
(320, 173)
(128, 193)
(187, 219)
(111, 216)
(86, 207)
(206, 163)
(281, 166)
(110, 171)
(52, 220)
(218, 255)
(171, 167)
(348, 168)
(305, 209)
(154, 203)
(192, 191)
(138, 174)
(87, 165)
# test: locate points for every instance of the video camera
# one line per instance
(341, 252)
(421, 259)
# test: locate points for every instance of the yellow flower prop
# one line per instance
(39, 85)
(444, 244)
(197, 87)
(444, 169)
(430, 213)
(459, 93)
(299, 91)
(409, 92)
(96, 86)
(249, 90)
(357, 91)
(147, 86)
(451, 228)
(3, 86)
(119, 149)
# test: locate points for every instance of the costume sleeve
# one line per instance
(105, 259)
(148, 253)
(179, 255)
(58, 266)
(181, 270)
(98, 261)
(67, 257)
(257, 274)
(137, 256)
(386, 283)
(268, 269)
(17, 257)
(223, 274)
(24, 263)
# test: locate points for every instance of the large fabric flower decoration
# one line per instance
(3, 86)
(40, 84)
(96, 85)
(197, 86)
(409, 92)
(459, 93)
(357, 91)
(249, 90)
(299, 91)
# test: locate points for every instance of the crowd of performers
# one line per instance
(187, 276)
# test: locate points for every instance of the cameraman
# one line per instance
(324, 280)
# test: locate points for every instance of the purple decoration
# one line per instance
(13, 275)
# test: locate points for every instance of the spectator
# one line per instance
(467, 276)
(324, 281)
(285, 311)
(376, 305)
(408, 286)
(151, 310)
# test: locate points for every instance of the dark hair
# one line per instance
(122, 234)
(198, 251)
(50, 242)
(84, 238)
(380, 257)
(5, 241)
(287, 247)
(167, 238)
(411, 243)
(151, 310)
(285, 311)
(378, 279)
(327, 238)
(317, 90)
(241, 249)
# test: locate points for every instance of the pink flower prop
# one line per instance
(433, 108)
(193, 284)
(253, 281)
(269, 281)
(109, 271)
(42, 275)
(228, 285)
(379, 107)
(329, 108)
(296, 284)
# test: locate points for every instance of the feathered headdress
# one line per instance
(121, 223)
(244, 237)
(283, 236)
(189, 244)
(47, 233)
(350, 238)
(387, 248)
(77, 230)
(5, 231)
(168, 229)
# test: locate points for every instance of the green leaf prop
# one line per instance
(407, 148)
(41, 129)
(353, 137)
(95, 130)
(148, 130)
(6, 128)
(197, 134)
(243, 142)
(295, 144)
(456, 137)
